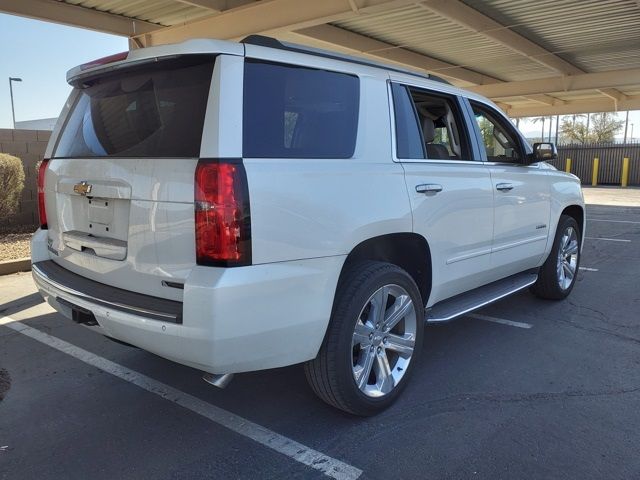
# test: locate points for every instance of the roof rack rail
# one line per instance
(264, 41)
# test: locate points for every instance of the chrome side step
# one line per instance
(467, 302)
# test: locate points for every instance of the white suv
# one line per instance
(243, 206)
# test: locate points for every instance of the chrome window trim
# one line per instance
(512, 164)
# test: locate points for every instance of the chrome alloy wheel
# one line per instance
(567, 265)
(383, 340)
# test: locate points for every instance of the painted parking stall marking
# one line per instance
(329, 466)
(587, 269)
(502, 321)
(612, 221)
(608, 239)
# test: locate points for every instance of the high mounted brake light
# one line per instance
(222, 217)
(42, 213)
(117, 57)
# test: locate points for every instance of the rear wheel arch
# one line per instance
(409, 251)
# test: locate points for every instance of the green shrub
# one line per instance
(11, 184)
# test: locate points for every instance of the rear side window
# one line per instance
(296, 112)
(153, 110)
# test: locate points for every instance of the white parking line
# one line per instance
(587, 269)
(608, 239)
(612, 221)
(331, 467)
(487, 318)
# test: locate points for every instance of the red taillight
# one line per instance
(223, 222)
(118, 57)
(41, 210)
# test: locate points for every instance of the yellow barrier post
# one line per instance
(594, 175)
(625, 172)
(567, 167)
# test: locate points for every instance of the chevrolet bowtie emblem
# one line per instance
(82, 188)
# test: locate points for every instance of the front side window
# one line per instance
(151, 110)
(298, 112)
(428, 125)
(499, 139)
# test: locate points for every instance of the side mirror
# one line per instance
(543, 152)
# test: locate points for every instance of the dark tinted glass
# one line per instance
(409, 142)
(294, 112)
(154, 110)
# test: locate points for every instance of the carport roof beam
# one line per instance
(66, 14)
(476, 21)
(583, 81)
(267, 16)
(335, 36)
(213, 5)
(576, 106)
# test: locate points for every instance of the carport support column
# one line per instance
(625, 172)
(594, 175)
(567, 167)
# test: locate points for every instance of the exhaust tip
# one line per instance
(218, 380)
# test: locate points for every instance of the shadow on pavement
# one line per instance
(21, 303)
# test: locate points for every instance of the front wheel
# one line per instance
(559, 273)
(373, 340)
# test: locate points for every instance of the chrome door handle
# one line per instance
(428, 188)
(504, 187)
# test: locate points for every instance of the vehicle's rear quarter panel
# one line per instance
(322, 207)
(307, 208)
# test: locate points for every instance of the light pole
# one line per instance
(632, 132)
(13, 112)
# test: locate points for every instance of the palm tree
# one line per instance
(538, 120)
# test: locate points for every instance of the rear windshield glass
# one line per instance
(154, 110)
(295, 112)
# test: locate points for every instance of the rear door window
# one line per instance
(298, 112)
(152, 110)
(428, 125)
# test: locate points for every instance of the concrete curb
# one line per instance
(13, 266)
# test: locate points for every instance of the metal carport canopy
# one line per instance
(543, 57)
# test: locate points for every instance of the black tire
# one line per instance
(331, 373)
(548, 285)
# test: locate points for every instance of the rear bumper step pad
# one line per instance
(77, 286)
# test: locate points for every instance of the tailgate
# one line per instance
(120, 188)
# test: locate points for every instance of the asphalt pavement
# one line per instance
(525, 388)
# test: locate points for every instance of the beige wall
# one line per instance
(29, 146)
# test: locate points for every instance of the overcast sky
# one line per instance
(41, 53)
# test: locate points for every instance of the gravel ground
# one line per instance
(15, 244)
